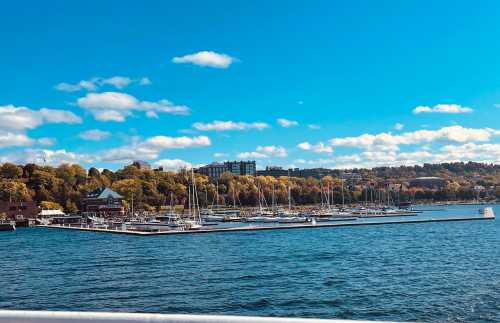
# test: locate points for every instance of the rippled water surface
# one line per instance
(431, 272)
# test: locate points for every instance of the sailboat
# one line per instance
(219, 213)
(194, 221)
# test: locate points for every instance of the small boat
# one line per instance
(8, 226)
(292, 219)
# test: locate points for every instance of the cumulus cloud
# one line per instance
(314, 126)
(116, 106)
(442, 108)
(10, 139)
(94, 134)
(152, 147)
(319, 148)
(46, 157)
(482, 152)
(15, 121)
(388, 141)
(95, 83)
(252, 154)
(285, 123)
(265, 152)
(206, 58)
(21, 118)
(229, 126)
(172, 164)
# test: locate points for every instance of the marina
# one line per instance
(488, 214)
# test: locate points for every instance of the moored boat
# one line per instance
(8, 226)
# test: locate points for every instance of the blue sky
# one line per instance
(291, 83)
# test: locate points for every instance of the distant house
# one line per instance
(103, 202)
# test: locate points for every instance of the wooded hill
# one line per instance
(66, 185)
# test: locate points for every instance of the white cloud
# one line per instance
(94, 134)
(442, 108)
(285, 123)
(116, 106)
(172, 164)
(252, 154)
(399, 126)
(265, 152)
(118, 81)
(229, 126)
(485, 153)
(152, 147)
(272, 151)
(20, 118)
(46, 157)
(206, 58)
(314, 126)
(95, 83)
(387, 141)
(9, 139)
(220, 155)
(319, 148)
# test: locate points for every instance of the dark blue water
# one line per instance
(436, 272)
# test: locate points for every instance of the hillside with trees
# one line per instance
(65, 186)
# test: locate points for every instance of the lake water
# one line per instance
(433, 272)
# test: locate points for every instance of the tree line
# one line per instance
(66, 185)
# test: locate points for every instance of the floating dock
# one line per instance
(488, 215)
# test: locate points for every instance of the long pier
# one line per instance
(487, 216)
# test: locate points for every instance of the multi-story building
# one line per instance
(103, 202)
(215, 170)
(241, 167)
(295, 172)
(277, 171)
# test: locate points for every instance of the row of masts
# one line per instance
(382, 197)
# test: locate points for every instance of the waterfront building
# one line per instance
(50, 213)
(103, 202)
(19, 211)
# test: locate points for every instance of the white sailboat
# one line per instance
(194, 221)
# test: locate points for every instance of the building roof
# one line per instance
(103, 193)
(56, 212)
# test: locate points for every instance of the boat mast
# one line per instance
(189, 200)
(234, 198)
(196, 207)
(342, 189)
(289, 198)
